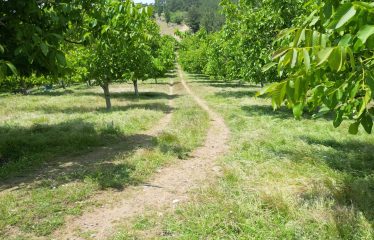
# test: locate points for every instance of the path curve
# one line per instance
(168, 188)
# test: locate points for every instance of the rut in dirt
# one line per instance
(171, 185)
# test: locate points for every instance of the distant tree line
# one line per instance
(195, 13)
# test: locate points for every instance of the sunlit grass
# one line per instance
(283, 179)
(103, 151)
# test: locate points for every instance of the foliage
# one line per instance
(193, 51)
(177, 17)
(31, 33)
(163, 58)
(195, 13)
(243, 46)
(328, 63)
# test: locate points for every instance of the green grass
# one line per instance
(283, 179)
(61, 173)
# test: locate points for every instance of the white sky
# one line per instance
(144, 1)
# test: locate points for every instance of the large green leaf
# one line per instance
(12, 67)
(367, 123)
(344, 15)
(61, 58)
(298, 110)
(365, 32)
(353, 128)
(306, 59)
(324, 55)
(44, 48)
(336, 59)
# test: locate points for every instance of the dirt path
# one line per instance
(168, 188)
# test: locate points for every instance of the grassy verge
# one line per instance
(42, 126)
(40, 205)
(284, 179)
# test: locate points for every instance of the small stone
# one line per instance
(176, 201)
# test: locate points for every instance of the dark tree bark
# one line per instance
(136, 88)
(63, 85)
(105, 87)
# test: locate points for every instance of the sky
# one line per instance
(144, 1)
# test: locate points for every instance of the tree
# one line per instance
(117, 38)
(327, 63)
(193, 18)
(163, 56)
(159, 7)
(245, 42)
(167, 15)
(31, 34)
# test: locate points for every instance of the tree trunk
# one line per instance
(156, 80)
(262, 84)
(23, 88)
(136, 88)
(105, 87)
(63, 84)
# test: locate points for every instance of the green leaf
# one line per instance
(338, 119)
(353, 128)
(44, 48)
(370, 82)
(351, 57)
(365, 32)
(12, 67)
(365, 101)
(268, 66)
(344, 15)
(294, 58)
(61, 58)
(344, 41)
(280, 53)
(367, 123)
(1, 49)
(336, 59)
(306, 59)
(105, 29)
(298, 110)
(324, 55)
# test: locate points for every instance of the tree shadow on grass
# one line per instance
(162, 107)
(27, 153)
(355, 160)
(281, 113)
(267, 110)
(238, 94)
(52, 93)
(131, 96)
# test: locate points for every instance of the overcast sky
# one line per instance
(144, 1)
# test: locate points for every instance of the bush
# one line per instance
(177, 17)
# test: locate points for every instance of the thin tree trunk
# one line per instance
(105, 87)
(156, 80)
(262, 84)
(136, 87)
(63, 84)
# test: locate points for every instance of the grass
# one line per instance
(283, 179)
(79, 150)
